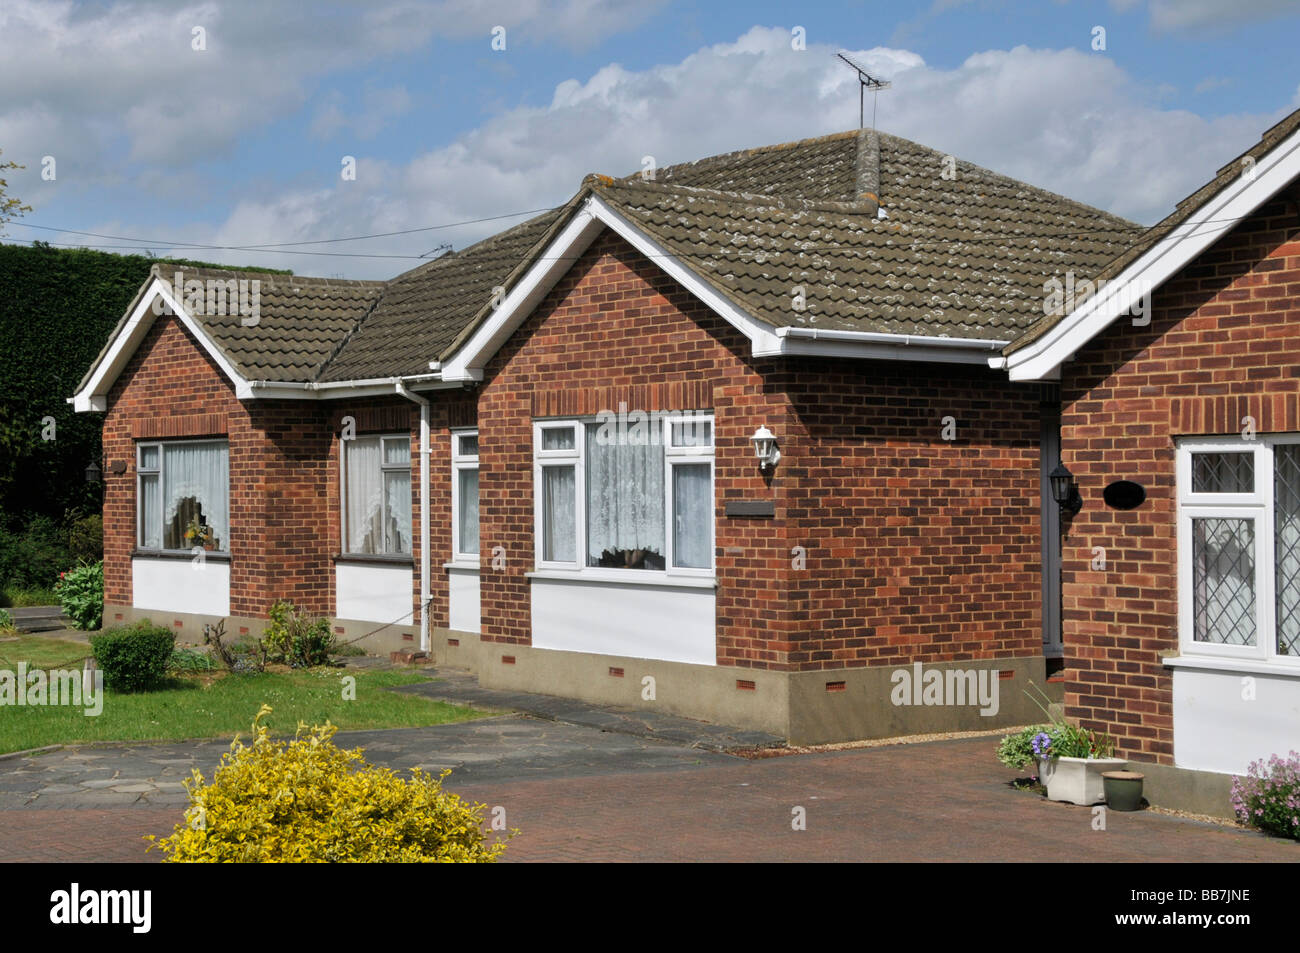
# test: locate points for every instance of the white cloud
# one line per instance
(123, 79)
(1171, 15)
(1066, 120)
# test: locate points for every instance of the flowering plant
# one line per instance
(198, 534)
(1063, 740)
(1268, 796)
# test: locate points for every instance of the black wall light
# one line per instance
(93, 472)
(1064, 490)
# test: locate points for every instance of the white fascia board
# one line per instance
(759, 333)
(468, 363)
(94, 396)
(1159, 263)
(342, 390)
(469, 360)
(866, 351)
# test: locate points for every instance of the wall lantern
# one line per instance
(765, 448)
(1064, 490)
(93, 472)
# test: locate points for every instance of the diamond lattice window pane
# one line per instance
(1223, 472)
(1223, 581)
(1286, 546)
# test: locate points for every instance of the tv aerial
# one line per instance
(865, 81)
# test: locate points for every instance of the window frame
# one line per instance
(384, 467)
(462, 461)
(141, 471)
(576, 457)
(1259, 506)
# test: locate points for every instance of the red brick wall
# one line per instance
(284, 473)
(1223, 343)
(917, 548)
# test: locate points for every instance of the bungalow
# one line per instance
(754, 439)
(1182, 614)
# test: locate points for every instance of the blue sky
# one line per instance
(242, 142)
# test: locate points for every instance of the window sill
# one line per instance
(375, 558)
(463, 565)
(212, 554)
(1241, 666)
(660, 581)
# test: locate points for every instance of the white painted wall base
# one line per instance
(1216, 729)
(373, 593)
(463, 605)
(181, 585)
(608, 618)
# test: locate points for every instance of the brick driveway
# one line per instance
(630, 800)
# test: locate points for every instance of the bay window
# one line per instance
(377, 495)
(464, 494)
(612, 499)
(1239, 548)
(183, 496)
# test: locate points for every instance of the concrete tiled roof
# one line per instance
(422, 311)
(963, 252)
(963, 256)
(300, 321)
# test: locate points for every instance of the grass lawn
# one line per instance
(213, 704)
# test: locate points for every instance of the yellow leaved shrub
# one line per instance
(309, 801)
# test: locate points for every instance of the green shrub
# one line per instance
(33, 556)
(81, 593)
(1014, 750)
(6, 622)
(308, 801)
(86, 538)
(295, 638)
(133, 658)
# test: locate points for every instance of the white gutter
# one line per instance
(425, 597)
(339, 385)
(898, 340)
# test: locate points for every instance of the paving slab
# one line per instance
(463, 688)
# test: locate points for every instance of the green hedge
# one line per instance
(58, 308)
(134, 658)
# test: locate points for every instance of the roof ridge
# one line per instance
(757, 150)
(272, 276)
(756, 198)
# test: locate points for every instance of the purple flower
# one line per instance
(1041, 744)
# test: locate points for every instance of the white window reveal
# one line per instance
(183, 496)
(1239, 548)
(464, 495)
(615, 499)
(377, 495)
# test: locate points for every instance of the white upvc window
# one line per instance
(183, 496)
(619, 502)
(464, 496)
(376, 495)
(1239, 548)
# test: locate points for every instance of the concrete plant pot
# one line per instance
(1077, 780)
(1123, 790)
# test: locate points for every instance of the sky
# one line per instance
(201, 129)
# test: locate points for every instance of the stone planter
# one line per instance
(1077, 780)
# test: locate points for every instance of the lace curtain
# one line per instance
(196, 484)
(625, 497)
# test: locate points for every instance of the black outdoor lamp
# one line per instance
(93, 472)
(1064, 490)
